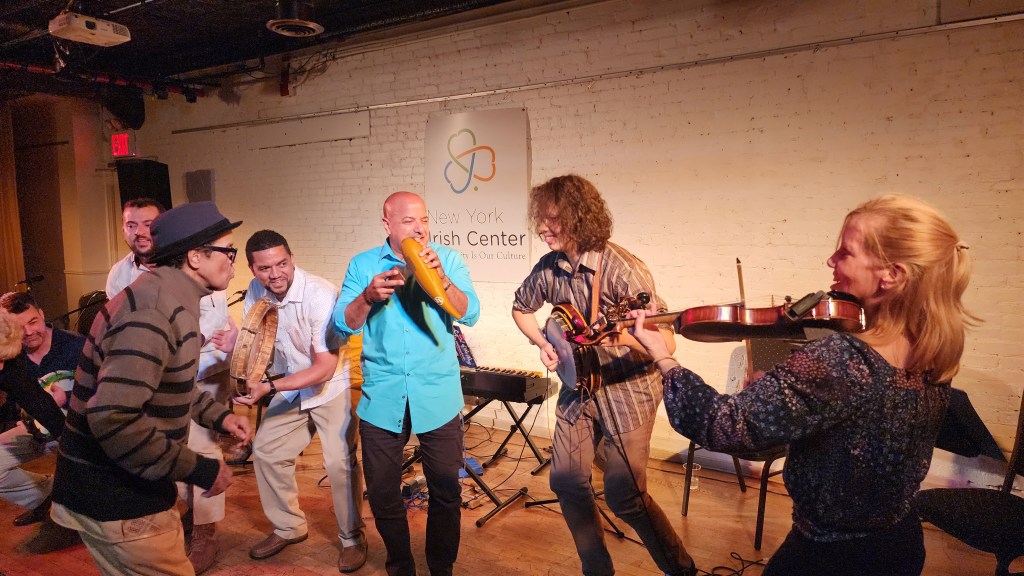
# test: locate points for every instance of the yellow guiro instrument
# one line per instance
(426, 277)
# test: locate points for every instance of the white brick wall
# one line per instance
(758, 158)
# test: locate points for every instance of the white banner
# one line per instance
(477, 182)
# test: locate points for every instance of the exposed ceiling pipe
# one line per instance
(129, 7)
(153, 87)
(26, 68)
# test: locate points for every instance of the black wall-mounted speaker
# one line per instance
(140, 178)
(199, 185)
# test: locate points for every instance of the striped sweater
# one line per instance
(124, 440)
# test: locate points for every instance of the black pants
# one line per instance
(382, 466)
(898, 551)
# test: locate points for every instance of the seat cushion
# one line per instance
(989, 520)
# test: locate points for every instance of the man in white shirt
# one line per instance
(136, 217)
(312, 384)
(219, 333)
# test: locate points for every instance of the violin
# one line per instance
(722, 323)
(734, 322)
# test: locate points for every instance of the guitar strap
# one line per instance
(591, 364)
(595, 291)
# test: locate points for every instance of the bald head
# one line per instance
(398, 200)
(405, 216)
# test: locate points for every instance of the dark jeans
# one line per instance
(382, 468)
(898, 551)
(571, 462)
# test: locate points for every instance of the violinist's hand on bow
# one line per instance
(383, 285)
(751, 378)
(648, 336)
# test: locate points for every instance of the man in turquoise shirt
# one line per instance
(411, 381)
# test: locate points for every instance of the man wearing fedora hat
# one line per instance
(123, 446)
(219, 334)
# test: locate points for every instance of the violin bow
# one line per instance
(746, 341)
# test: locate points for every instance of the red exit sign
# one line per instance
(122, 144)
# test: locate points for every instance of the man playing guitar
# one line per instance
(621, 390)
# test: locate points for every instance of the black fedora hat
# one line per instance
(185, 227)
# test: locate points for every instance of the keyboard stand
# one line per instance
(499, 504)
(516, 426)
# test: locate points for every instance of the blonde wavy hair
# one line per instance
(11, 334)
(927, 304)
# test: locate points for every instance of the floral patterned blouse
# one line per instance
(860, 431)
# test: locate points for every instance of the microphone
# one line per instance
(241, 296)
(31, 280)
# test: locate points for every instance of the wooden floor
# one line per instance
(518, 540)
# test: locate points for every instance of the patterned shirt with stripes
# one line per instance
(631, 385)
(123, 446)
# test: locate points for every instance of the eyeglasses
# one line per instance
(229, 252)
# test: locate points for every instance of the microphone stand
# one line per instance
(241, 297)
(63, 318)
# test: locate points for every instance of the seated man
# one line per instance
(17, 446)
(49, 357)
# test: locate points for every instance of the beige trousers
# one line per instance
(148, 546)
(283, 434)
(206, 443)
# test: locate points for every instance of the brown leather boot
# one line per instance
(205, 547)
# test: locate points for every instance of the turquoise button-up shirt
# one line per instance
(408, 344)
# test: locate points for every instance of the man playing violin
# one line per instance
(571, 217)
(860, 413)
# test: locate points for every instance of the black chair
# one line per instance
(987, 519)
(767, 456)
(765, 354)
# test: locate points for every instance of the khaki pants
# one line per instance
(625, 490)
(282, 435)
(148, 546)
(206, 443)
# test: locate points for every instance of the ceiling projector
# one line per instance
(88, 30)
